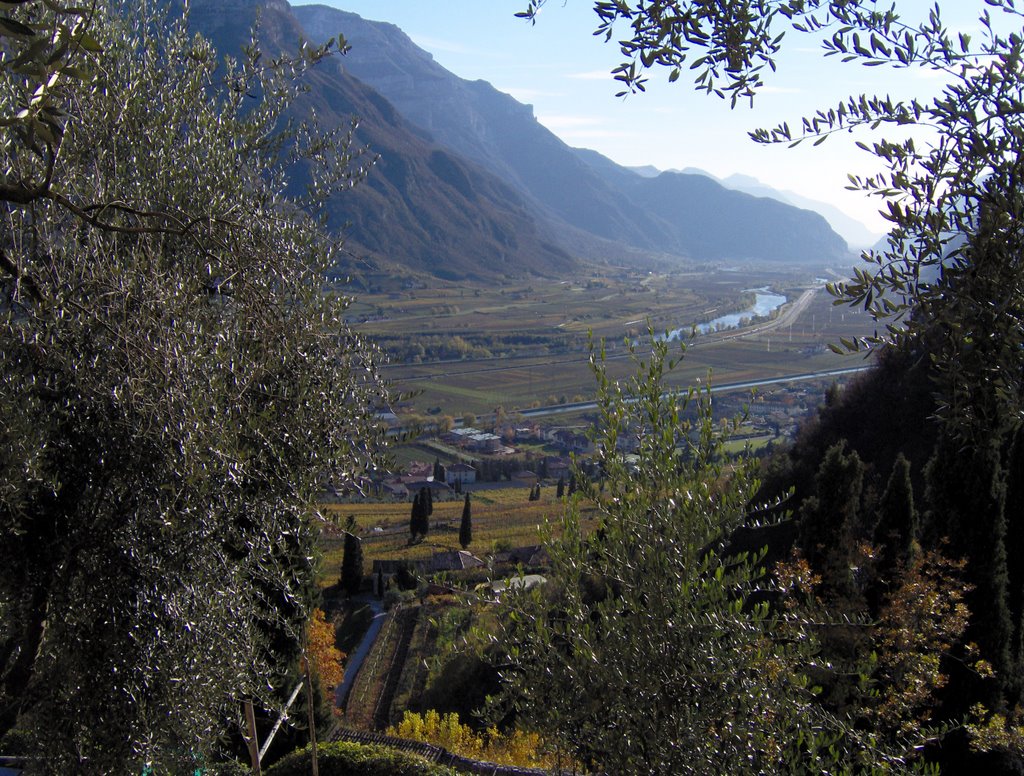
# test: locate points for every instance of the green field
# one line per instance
(523, 379)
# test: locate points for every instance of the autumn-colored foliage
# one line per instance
(520, 748)
(324, 657)
(899, 656)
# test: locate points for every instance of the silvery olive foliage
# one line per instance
(948, 286)
(657, 645)
(175, 385)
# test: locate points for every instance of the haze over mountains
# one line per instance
(853, 231)
(469, 183)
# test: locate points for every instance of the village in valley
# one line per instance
(516, 473)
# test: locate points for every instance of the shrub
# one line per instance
(343, 758)
(228, 768)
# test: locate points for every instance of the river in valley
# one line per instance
(765, 302)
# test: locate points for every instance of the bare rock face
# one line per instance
(422, 207)
(678, 214)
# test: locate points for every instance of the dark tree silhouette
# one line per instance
(466, 528)
(896, 531)
(352, 563)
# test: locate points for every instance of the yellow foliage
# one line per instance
(924, 617)
(995, 732)
(520, 748)
(324, 657)
(445, 731)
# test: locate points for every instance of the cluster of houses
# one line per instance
(449, 562)
(566, 440)
(775, 412)
(475, 440)
(417, 475)
(453, 478)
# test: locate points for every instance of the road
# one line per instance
(789, 314)
(561, 409)
(355, 660)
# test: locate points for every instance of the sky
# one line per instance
(560, 68)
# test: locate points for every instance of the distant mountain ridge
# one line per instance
(602, 198)
(856, 234)
(421, 207)
(469, 184)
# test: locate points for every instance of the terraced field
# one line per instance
(501, 518)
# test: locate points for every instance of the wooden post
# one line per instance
(251, 740)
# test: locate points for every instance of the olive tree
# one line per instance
(175, 383)
(652, 648)
(948, 287)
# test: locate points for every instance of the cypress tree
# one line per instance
(560, 488)
(426, 507)
(414, 517)
(352, 564)
(896, 530)
(466, 527)
(828, 519)
(967, 499)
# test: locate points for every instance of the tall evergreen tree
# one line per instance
(896, 530)
(466, 527)
(352, 563)
(415, 518)
(426, 510)
(967, 499)
(828, 518)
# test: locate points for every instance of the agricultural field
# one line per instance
(463, 351)
(470, 350)
(502, 518)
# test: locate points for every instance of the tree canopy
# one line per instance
(175, 384)
(947, 292)
(659, 646)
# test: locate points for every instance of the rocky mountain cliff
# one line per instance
(591, 194)
(470, 184)
(422, 206)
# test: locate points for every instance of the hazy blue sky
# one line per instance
(562, 70)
